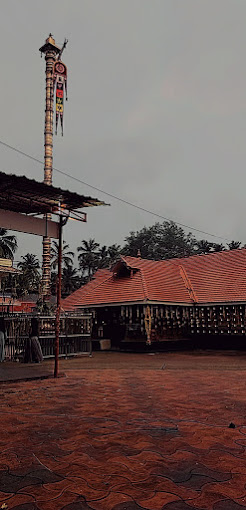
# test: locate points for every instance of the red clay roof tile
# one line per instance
(211, 278)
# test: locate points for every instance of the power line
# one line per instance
(110, 194)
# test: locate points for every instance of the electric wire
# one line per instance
(66, 174)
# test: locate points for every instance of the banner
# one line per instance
(60, 84)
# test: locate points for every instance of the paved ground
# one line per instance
(125, 431)
(20, 371)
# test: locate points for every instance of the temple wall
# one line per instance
(128, 323)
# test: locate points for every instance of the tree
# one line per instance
(53, 283)
(218, 247)
(70, 280)
(113, 253)
(103, 259)
(160, 241)
(88, 257)
(30, 278)
(234, 245)
(8, 244)
(203, 246)
(108, 255)
(67, 256)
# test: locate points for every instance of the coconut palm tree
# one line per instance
(29, 280)
(67, 256)
(8, 244)
(113, 253)
(108, 255)
(70, 280)
(103, 260)
(234, 245)
(203, 246)
(88, 257)
(218, 247)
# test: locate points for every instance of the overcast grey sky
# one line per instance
(156, 111)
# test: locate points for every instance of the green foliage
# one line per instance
(166, 240)
(102, 257)
(114, 251)
(234, 245)
(218, 247)
(70, 280)
(45, 308)
(108, 255)
(203, 246)
(67, 256)
(8, 244)
(92, 257)
(30, 279)
(88, 257)
(161, 241)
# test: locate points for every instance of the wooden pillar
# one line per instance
(147, 322)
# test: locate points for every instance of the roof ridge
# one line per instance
(187, 283)
(194, 255)
(145, 288)
(207, 255)
(123, 258)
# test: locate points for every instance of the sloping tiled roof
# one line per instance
(211, 278)
(217, 277)
(105, 288)
(79, 295)
(163, 282)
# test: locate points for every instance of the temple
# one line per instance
(141, 300)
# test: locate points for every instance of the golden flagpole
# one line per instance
(51, 52)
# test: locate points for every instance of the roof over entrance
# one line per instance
(201, 279)
(20, 194)
(6, 267)
(4, 270)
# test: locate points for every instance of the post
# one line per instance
(51, 51)
(58, 300)
(147, 322)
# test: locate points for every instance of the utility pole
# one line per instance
(51, 52)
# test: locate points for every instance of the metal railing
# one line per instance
(74, 338)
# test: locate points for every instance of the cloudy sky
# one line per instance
(156, 112)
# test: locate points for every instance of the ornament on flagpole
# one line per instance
(60, 84)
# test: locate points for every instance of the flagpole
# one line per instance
(51, 51)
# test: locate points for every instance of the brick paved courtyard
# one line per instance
(127, 431)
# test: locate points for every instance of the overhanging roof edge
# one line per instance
(38, 197)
